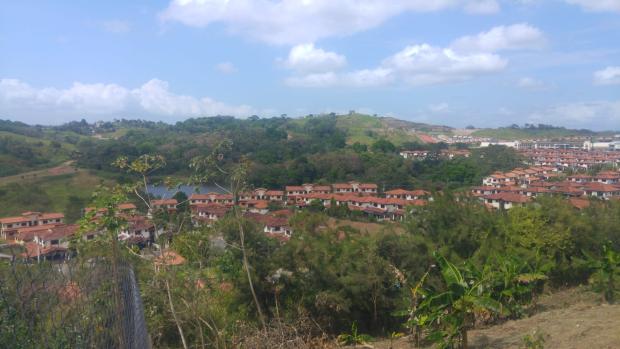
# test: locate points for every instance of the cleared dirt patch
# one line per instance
(365, 227)
(65, 168)
(568, 319)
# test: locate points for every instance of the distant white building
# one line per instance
(589, 145)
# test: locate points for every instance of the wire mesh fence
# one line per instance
(92, 303)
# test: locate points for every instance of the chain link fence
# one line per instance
(94, 303)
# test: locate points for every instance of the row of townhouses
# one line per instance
(571, 158)
(518, 187)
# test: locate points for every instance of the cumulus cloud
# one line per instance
(226, 68)
(597, 5)
(598, 115)
(308, 59)
(425, 64)
(607, 76)
(296, 21)
(414, 65)
(514, 37)
(152, 100)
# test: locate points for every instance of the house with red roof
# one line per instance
(210, 198)
(139, 230)
(10, 225)
(407, 194)
(355, 187)
(208, 213)
(276, 226)
(169, 205)
(505, 200)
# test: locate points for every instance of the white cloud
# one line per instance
(597, 5)
(530, 83)
(296, 21)
(425, 64)
(466, 58)
(414, 65)
(116, 26)
(482, 7)
(514, 37)
(226, 68)
(151, 100)
(308, 59)
(607, 76)
(598, 115)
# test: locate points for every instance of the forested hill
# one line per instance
(285, 151)
(282, 150)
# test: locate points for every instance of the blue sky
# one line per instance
(455, 62)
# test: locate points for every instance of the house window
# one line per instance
(54, 242)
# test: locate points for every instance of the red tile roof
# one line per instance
(508, 197)
(164, 202)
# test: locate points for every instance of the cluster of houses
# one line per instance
(571, 158)
(263, 205)
(45, 235)
(504, 190)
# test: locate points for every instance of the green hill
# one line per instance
(548, 132)
(21, 153)
(367, 129)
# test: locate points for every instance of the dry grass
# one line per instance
(571, 319)
(303, 334)
(365, 227)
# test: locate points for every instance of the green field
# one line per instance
(66, 193)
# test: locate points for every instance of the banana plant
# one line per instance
(512, 282)
(451, 312)
(606, 269)
(354, 338)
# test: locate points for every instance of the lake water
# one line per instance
(163, 192)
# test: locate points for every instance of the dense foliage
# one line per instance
(286, 151)
(339, 276)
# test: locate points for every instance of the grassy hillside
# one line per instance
(509, 133)
(66, 193)
(367, 129)
(27, 149)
